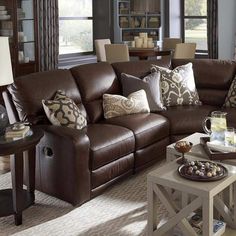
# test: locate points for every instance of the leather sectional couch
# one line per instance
(76, 165)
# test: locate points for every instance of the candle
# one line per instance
(145, 43)
(141, 34)
(150, 44)
(138, 43)
(133, 44)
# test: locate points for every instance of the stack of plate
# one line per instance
(3, 13)
(6, 32)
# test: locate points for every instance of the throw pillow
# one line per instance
(60, 95)
(117, 105)
(178, 85)
(230, 100)
(62, 111)
(150, 84)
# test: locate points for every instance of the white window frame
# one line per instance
(191, 17)
(76, 54)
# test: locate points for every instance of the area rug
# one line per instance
(121, 210)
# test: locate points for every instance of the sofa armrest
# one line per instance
(62, 167)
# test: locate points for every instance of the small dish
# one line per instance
(183, 147)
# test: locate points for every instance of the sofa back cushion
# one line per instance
(139, 68)
(28, 92)
(212, 78)
(93, 81)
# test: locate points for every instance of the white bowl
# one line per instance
(5, 17)
(3, 13)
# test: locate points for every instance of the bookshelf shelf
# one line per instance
(132, 17)
(21, 28)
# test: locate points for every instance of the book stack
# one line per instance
(3, 13)
(196, 222)
(16, 133)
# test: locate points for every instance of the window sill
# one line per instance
(201, 55)
(70, 61)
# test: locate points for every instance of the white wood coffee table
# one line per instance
(206, 193)
(198, 151)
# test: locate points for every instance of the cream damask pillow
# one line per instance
(178, 85)
(117, 105)
(62, 111)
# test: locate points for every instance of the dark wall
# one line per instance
(103, 19)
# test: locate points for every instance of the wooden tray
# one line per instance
(182, 170)
(215, 155)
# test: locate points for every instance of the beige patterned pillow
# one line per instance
(230, 100)
(62, 111)
(117, 105)
(178, 85)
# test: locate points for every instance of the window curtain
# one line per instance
(212, 28)
(48, 34)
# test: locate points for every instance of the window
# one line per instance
(195, 23)
(75, 27)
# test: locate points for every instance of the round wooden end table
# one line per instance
(22, 159)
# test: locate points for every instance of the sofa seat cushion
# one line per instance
(148, 128)
(104, 176)
(108, 143)
(187, 119)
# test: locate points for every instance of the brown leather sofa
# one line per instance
(76, 165)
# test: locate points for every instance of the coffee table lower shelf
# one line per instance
(6, 201)
(177, 231)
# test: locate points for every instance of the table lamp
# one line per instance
(6, 77)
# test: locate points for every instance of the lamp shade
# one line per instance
(6, 76)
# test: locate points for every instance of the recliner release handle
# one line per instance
(47, 151)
